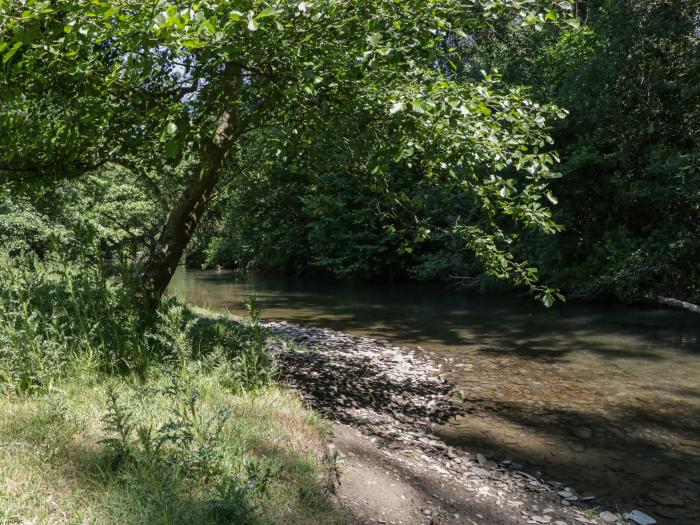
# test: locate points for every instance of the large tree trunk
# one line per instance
(186, 214)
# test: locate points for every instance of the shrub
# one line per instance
(54, 313)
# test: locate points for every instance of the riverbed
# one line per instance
(606, 398)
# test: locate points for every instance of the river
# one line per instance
(604, 397)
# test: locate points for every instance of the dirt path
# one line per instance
(378, 486)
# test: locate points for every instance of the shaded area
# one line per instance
(335, 387)
(632, 456)
(604, 397)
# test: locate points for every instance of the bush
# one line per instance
(55, 313)
(58, 316)
(183, 453)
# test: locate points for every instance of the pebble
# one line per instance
(568, 495)
(608, 517)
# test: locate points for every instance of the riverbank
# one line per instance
(389, 400)
(603, 397)
(184, 441)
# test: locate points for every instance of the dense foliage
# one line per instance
(629, 200)
(171, 422)
(185, 94)
(385, 142)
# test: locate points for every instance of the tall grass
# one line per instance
(171, 419)
(55, 314)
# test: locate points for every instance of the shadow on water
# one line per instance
(606, 398)
(614, 456)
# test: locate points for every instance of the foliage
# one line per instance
(106, 210)
(630, 153)
(185, 449)
(629, 200)
(265, 464)
(191, 402)
(57, 314)
(120, 83)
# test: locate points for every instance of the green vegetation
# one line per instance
(108, 421)
(628, 203)
(371, 140)
(187, 96)
(630, 196)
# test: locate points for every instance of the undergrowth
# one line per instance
(107, 418)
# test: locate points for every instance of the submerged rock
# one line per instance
(638, 517)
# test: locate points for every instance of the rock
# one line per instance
(638, 517)
(480, 471)
(608, 517)
(583, 432)
(541, 519)
(481, 459)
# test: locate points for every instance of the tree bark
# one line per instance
(676, 303)
(186, 214)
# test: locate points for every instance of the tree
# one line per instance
(205, 88)
(630, 197)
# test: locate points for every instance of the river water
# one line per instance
(606, 398)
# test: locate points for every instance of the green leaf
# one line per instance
(192, 44)
(172, 148)
(7, 56)
(268, 11)
(209, 26)
(573, 22)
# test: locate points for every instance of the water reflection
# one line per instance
(605, 397)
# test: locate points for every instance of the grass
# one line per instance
(54, 468)
(180, 422)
